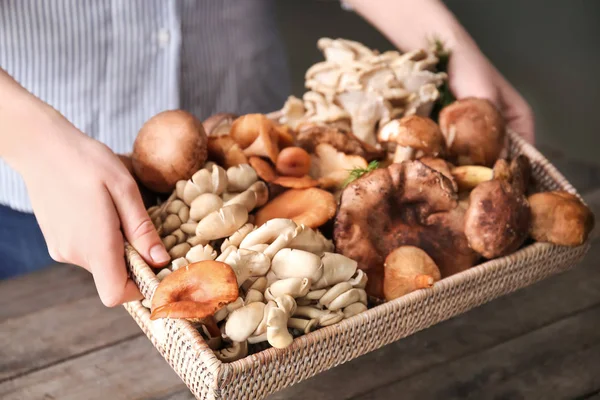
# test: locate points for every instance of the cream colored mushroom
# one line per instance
(179, 263)
(171, 224)
(354, 309)
(359, 280)
(237, 237)
(247, 263)
(336, 268)
(180, 235)
(201, 253)
(243, 321)
(291, 263)
(259, 283)
(236, 351)
(205, 204)
(334, 292)
(278, 335)
(219, 180)
(189, 228)
(294, 287)
(304, 325)
(225, 253)
(261, 329)
(180, 250)
(271, 277)
(162, 274)
(259, 247)
(221, 314)
(195, 241)
(311, 240)
(262, 192)
(315, 294)
(169, 241)
(179, 188)
(345, 299)
(240, 177)
(292, 112)
(331, 318)
(324, 317)
(253, 296)
(331, 168)
(286, 303)
(175, 206)
(278, 233)
(222, 223)
(247, 199)
(229, 195)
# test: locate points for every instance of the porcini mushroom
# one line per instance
(407, 269)
(169, 147)
(497, 219)
(415, 136)
(560, 217)
(474, 130)
(311, 207)
(404, 204)
(195, 292)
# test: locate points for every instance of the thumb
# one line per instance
(136, 223)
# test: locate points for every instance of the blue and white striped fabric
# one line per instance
(109, 65)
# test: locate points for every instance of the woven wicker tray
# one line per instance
(258, 375)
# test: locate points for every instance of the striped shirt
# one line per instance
(109, 65)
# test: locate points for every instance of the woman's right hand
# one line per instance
(85, 201)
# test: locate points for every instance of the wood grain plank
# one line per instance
(486, 326)
(557, 361)
(45, 288)
(56, 333)
(130, 370)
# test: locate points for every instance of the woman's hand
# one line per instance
(86, 203)
(471, 74)
(412, 24)
(83, 196)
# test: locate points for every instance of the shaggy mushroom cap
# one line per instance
(561, 218)
(195, 291)
(497, 220)
(219, 124)
(415, 137)
(474, 130)
(404, 204)
(311, 135)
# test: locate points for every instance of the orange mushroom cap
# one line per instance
(312, 207)
(196, 291)
(263, 169)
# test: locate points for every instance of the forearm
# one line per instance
(22, 120)
(412, 24)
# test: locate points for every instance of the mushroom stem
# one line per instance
(277, 332)
(469, 176)
(211, 326)
(403, 153)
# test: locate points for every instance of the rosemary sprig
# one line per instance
(358, 172)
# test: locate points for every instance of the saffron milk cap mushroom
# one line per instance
(195, 291)
(407, 269)
(561, 218)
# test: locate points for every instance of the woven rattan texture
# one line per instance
(271, 370)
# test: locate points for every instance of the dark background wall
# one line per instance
(548, 49)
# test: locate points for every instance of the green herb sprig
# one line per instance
(358, 172)
(446, 96)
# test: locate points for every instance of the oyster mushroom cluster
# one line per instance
(278, 281)
(360, 89)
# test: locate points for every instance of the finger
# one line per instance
(517, 112)
(136, 223)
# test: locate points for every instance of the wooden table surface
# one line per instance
(57, 341)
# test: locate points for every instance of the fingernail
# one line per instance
(158, 254)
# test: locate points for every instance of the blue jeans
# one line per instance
(22, 245)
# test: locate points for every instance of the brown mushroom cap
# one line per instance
(421, 134)
(404, 204)
(195, 291)
(474, 130)
(561, 218)
(171, 146)
(224, 151)
(311, 135)
(442, 166)
(497, 220)
(312, 207)
(407, 269)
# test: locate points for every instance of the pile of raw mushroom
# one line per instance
(281, 224)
